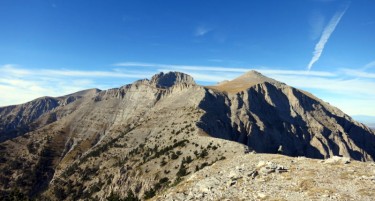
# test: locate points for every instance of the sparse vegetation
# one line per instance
(155, 153)
(70, 170)
(129, 197)
(163, 162)
(149, 194)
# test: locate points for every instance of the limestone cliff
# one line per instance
(272, 117)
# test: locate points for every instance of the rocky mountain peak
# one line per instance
(252, 73)
(254, 77)
(170, 79)
(244, 82)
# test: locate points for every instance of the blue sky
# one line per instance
(52, 47)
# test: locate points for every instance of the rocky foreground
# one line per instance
(277, 177)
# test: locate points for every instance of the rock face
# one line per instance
(145, 137)
(170, 79)
(17, 120)
(272, 117)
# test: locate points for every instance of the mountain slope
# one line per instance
(277, 177)
(123, 136)
(146, 137)
(272, 117)
(17, 120)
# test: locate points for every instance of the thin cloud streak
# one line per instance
(202, 30)
(19, 85)
(350, 87)
(16, 71)
(97, 74)
(358, 73)
(225, 69)
(316, 25)
(328, 30)
(369, 65)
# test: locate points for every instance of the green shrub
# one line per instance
(149, 194)
(204, 153)
(129, 197)
(182, 171)
(174, 156)
(163, 162)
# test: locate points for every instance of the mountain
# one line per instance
(17, 120)
(272, 117)
(148, 136)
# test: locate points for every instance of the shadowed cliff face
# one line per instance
(16, 120)
(271, 117)
(265, 126)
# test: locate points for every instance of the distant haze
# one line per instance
(367, 120)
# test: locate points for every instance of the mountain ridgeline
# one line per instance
(141, 138)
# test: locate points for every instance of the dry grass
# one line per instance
(306, 185)
(277, 199)
(311, 188)
(366, 192)
(346, 175)
(233, 86)
(81, 148)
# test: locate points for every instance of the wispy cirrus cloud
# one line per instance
(316, 24)
(19, 85)
(359, 73)
(369, 65)
(202, 30)
(328, 30)
(265, 70)
(18, 71)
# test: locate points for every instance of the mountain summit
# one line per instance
(171, 78)
(144, 137)
(244, 82)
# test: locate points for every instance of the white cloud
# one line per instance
(358, 73)
(14, 70)
(350, 87)
(19, 85)
(225, 69)
(77, 73)
(19, 72)
(206, 77)
(316, 24)
(328, 30)
(201, 30)
(369, 65)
